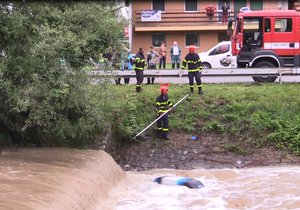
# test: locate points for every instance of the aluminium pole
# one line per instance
(160, 117)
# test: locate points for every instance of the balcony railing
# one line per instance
(180, 18)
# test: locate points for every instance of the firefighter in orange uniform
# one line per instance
(163, 104)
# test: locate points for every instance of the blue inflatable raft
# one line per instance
(177, 180)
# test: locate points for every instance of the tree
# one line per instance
(43, 101)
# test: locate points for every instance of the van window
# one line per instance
(283, 25)
(220, 49)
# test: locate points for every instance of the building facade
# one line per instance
(186, 21)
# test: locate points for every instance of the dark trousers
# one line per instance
(126, 80)
(139, 79)
(175, 60)
(163, 126)
(118, 81)
(197, 76)
(210, 18)
(225, 18)
(162, 62)
(151, 80)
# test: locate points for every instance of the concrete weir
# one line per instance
(56, 178)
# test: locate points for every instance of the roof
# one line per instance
(275, 13)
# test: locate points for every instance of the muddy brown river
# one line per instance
(87, 179)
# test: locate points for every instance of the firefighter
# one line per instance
(193, 63)
(163, 103)
(139, 68)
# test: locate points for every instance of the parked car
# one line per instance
(219, 56)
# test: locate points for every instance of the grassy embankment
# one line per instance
(250, 115)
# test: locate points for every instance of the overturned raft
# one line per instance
(177, 180)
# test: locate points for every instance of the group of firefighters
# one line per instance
(193, 64)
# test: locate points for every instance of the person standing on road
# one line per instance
(162, 55)
(175, 52)
(128, 66)
(139, 68)
(163, 104)
(193, 63)
(152, 57)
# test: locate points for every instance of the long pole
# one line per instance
(160, 117)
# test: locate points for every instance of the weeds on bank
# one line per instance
(250, 115)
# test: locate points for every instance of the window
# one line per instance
(283, 25)
(256, 5)
(239, 4)
(157, 39)
(191, 5)
(158, 5)
(191, 39)
(220, 49)
(267, 25)
(223, 36)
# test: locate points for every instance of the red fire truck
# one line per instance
(266, 39)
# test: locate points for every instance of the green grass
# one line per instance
(250, 115)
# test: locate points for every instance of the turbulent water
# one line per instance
(85, 179)
(56, 178)
(253, 188)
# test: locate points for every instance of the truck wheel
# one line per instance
(206, 65)
(264, 64)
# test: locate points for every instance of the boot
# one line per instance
(148, 81)
(200, 91)
(164, 136)
(192, 89)
(178, 65)
(173, 65)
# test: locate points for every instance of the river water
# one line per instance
(253, 188)
(86, 179)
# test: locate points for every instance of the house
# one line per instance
(186, 21)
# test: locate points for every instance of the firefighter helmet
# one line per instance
(164, 88)
(191, 49)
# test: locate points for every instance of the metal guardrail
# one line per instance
(278, 72)
(205, 72)
(181, 17)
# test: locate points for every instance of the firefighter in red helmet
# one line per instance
(194, 66)
(163, 103)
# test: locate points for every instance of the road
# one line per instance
(219, 79)
(209, 76)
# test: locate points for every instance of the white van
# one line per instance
(219, 56)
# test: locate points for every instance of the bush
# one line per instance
(45, 101)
